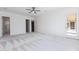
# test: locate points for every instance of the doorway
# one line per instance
(27, 25)
(32, 26)
(6, 25)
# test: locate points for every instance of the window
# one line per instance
(71, 22)
(72, 25)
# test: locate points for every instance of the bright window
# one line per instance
(71, 22)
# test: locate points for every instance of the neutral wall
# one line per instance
(17, 22)
(53, 22)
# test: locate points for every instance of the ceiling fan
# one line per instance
(33, 10)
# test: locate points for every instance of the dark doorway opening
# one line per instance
(6, 25)
(27, 25)
(32, 26)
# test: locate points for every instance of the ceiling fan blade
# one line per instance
(31, 11)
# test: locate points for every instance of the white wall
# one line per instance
(17, 22)
(53, 22)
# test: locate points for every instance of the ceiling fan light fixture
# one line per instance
(33, 10)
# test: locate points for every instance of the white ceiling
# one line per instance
(21, 10)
